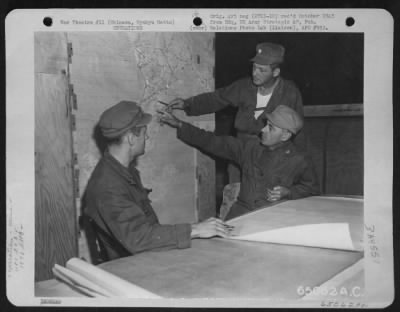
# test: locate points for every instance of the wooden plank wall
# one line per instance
(336, 146)
(55, 227)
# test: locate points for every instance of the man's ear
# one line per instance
(286, 135)
(276, 72)
(130, 137)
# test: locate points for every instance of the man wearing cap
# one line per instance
(116, 199)
(254, 96)
(272, 168)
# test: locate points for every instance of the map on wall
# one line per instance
(143, 67)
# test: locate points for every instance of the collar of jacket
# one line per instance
(284, 148)
(118, 167)
(278, 88)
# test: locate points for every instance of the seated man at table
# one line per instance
(272, 169)
(116, 199)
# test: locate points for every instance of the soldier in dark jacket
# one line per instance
(272, 167)
(116, 199)
(253, 96)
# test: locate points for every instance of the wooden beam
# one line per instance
(334, 110)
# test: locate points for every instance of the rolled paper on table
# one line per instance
(113, 284)
(81, 283)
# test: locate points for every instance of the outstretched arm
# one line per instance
(209, 102)
(227, 147)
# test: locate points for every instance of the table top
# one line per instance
(221, 268)
(218, 268)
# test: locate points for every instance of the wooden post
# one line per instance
(55, 225)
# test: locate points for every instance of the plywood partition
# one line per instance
(144, 67)
(345, 157)
(55, 226)
(337, 150)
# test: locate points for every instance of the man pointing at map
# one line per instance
(272, 167)
(253, 96)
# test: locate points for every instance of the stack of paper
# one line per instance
(96, 282)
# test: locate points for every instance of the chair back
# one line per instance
(97, 250)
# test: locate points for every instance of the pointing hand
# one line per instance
(169, 119)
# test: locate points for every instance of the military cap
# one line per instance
(268, 53)
(121, 117)
(285, 117)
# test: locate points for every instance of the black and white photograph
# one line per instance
(220, 158)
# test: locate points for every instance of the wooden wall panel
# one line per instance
(55, 226)
(336, 146)
(51, 56)
(345, 157)
(315, 134)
